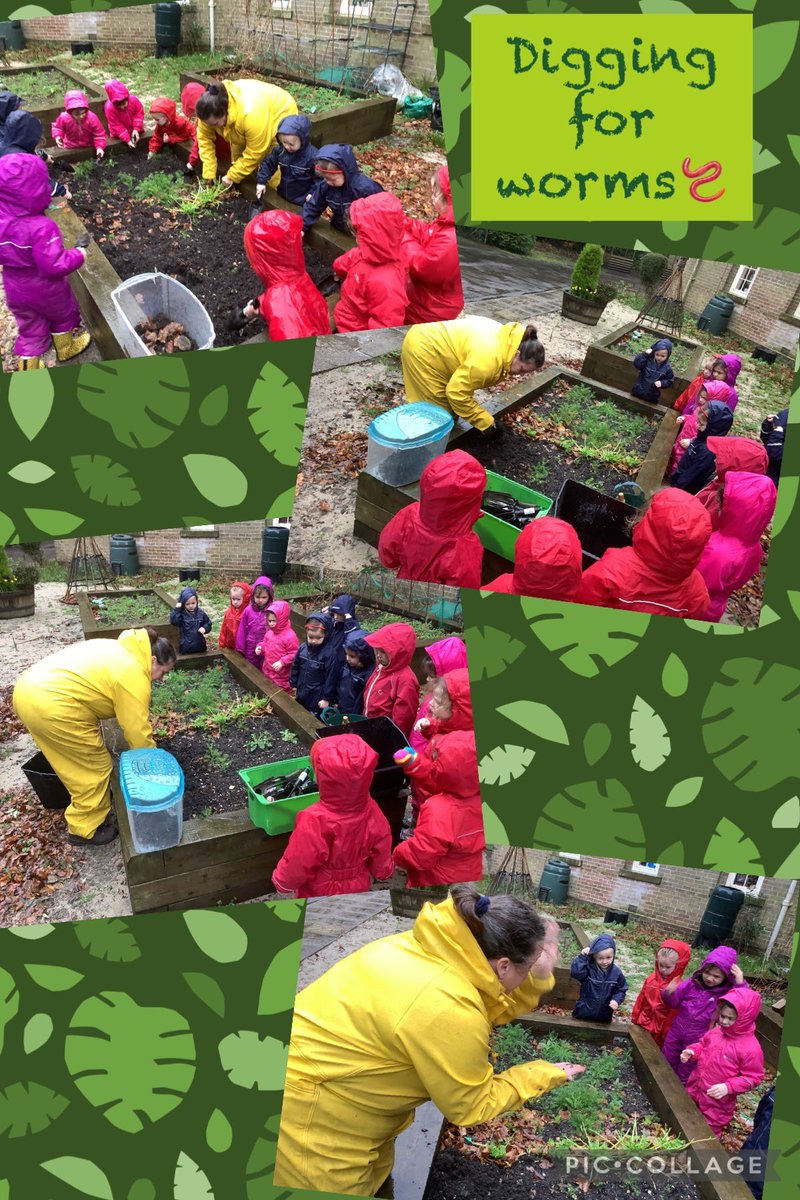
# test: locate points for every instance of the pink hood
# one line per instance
(282, 612)
(448, 655)
(116, 90)
(715, 389)
(748, 1005)
(748, 505)
(75, 99)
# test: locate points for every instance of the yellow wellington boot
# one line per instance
(70, 344)
(30, 364)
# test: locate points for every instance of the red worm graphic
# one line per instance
(716, 170)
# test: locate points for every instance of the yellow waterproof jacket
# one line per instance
(254, 111)
(100, 679)
(456, 358)
(403, 1020)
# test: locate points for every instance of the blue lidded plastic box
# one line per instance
(403, 440)
(152, 784)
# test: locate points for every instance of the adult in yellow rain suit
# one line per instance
(404, 1020)
(446, 362)
(62, 701)
(246, 112)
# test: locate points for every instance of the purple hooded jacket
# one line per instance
(696, 1005)
(253, 625)
(32, 255)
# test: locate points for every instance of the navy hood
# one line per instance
(187, 594)
(662, 344)
(603, 941)
(356, 641)
(343, 604)
(325, 620)
(343, 156)
(22, 133)
(9, 102)
(296, 126)
(720, 419)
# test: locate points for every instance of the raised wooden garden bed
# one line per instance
(147, 607)
(609, 362)
(42, 88)
(377, 502)
(456, 1176)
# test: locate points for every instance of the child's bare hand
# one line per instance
(100, 152)
(421, 724)
(650, 351)
(671, 986)
(658, 383)
(585, 950)
(259, 650)
(276, 666)
(60, 143)
(324, 704)
(151, 155)
(737, 974)
(260, 189)
(613, 1005)
(250, 310)
(717, 1091)
(571, 1070)
(687, 1055)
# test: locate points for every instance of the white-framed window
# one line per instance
(356, 10)
(281, 6)
(751, 884)
(573, 858)
(202, 528)
(645, 868)
(743, 281)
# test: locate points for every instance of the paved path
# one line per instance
(330, 917)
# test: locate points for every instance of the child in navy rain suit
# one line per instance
(343, 611)
(296, 158)
(773, 432)
(754, 1148)
(699, 464)
(603, 986)
(655, 373)
(315, 668)
(339, 183)
(192, 622)
(22, 133)
(359, 663)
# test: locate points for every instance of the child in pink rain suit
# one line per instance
(78, 126)
(714, 389)
(124, 113)
(279, 646)
(448, 655)
(733, 553)
(253, 624)
(696, 1000)
(727, 1060)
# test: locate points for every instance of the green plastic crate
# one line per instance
(497, 535)
(279, 816)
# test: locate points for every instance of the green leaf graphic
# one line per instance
(219, 936)
(219, 1135)
(601, 810)
(142, 1189)
(250, 1062)
(788, 815)
(538, 719)
(670, 7)
(53, 979)
(504, 763)
(790, 868)
(217, 479)
(52, 521)
(31, 472)
(685, 792)
(104, 481)
(79, 1173)
(596, 742)
(753, 705)
(110, 939)
(674, 677)
(190, 1182)
(31, 933)
(262, 1159)
(773, 47)
(493, 828)
(279, 979)
(763, 158)
(9, 1003)
(650, 744)
(30, 398)
(144, 403)
(27, 1108)
(215, 407)
(288, 910)
(747, 5)
(277, 411)
(37, 1032)
(491, 650)
(732, 850)
(6, 529)
(588, 639)
(133, 1063)
(673, 854)
(207, 990)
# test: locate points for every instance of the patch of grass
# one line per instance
(538, 474)
(589, 428)
(203, 200)
(200, 700)
(84, 168)
(52, 572)
(160, 187)
(552, 1048)
(510, 1044)
(136, 610)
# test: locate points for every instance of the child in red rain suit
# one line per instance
(393, 689)
(240, 598)
(170, 126)
(547, 562)
(450, 712)
(373, 294)
(432, 540)
(431, 254)
(728, 1060)
(222, 148)
(279, 646)
(77, 126)
(124, 113)
(649, 1009)
(732, 454)
(291, 306)
(343, 841)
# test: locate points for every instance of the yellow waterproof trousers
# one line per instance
(69, 736)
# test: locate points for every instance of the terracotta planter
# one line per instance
(578, 308)
(19, 603)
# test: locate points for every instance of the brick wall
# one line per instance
(235, 547)
(676, 898)
(129, 27)
(773, 295)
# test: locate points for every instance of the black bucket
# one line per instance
(615, 916)
(437, 125)
(82, 47)
(189, 575)
(600, 521)
(45, 782)
(764, 355)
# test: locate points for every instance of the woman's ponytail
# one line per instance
(161, 648)
(503, 926)
(531, 349)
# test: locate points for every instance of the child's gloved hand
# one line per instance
(260, 189)
(405, 757)
(687, 1055)
(717, 1091)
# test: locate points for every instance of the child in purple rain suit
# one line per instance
(696, 1000)
(36, 265)
(253, 624)
(78, 126)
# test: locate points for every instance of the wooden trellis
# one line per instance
(88, 570)
(664, 310)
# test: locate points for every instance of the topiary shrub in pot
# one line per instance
(16, 588)
(587, 297)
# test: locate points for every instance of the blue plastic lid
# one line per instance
(150, 779)
(411, 425)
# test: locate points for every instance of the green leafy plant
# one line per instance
(651, 268)
(203, 200)
(14, 576)
(259, 741)
(289, 737)
(586, 272)
(161, 187)
(84, 168)
(217, 758)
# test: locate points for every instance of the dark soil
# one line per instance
(205, 253)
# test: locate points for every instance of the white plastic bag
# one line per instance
(389, 80)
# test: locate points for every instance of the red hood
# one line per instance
(379, 224)
(451, 493)
(75, 99)
(738, 454)
(448, 655)
(274, 246)
(671, 536)
(684, 952)
(457, 765)
(748, 505)
(248, 591)
(398, 641)
(548, 560)
(748, 1005)
(457, 684)
(163, 104)
(189, 97)
(715, 389)
(343, 767)
(282, 614)
(116, 90)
